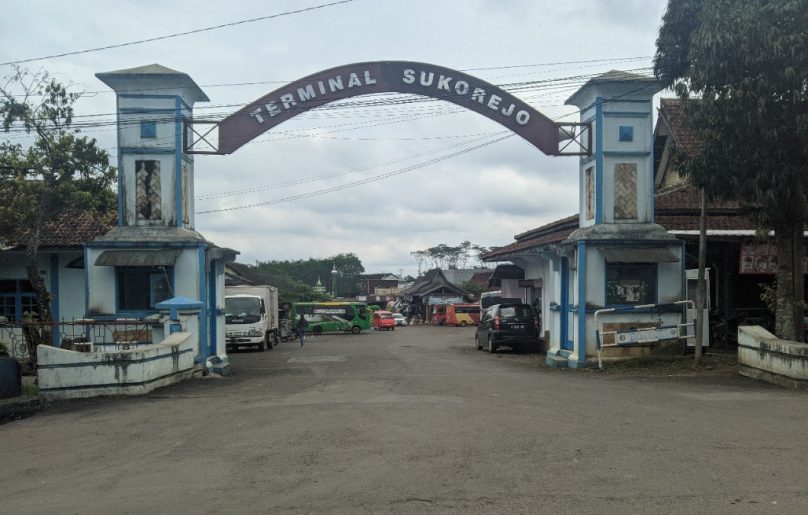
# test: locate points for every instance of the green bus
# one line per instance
(332, 316)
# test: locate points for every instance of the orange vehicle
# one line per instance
(438, 314)
(383, 320)
(462, 314)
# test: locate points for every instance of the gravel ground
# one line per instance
(417, 421)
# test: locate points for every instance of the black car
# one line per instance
(511, 325)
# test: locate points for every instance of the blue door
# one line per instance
(567, 314)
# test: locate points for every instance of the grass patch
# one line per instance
(711, 362)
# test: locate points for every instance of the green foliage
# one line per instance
(57, 172)
(473, 288)
(306, 273)
(745, 65)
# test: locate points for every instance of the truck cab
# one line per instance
(251, 318)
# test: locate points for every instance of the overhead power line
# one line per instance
(369, 180)
(178, 34)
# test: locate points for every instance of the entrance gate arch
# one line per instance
(158, 137)
(429, 80)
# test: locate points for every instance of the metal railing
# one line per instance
(644, 335)
(83, 335)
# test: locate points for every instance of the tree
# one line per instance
(57, 173)
(744, 64)
(308, 272)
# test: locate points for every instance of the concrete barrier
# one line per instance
(763, 356)
(66, 374)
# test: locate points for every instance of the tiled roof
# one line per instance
(432, 280)
(74, 229)
(554, 232)
(670, 112)
(678, 209)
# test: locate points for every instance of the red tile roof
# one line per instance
(671, 114)
(73, 229)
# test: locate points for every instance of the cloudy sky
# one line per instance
(485, 195)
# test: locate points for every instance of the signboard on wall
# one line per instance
(760, 257)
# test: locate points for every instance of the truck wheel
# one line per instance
(356, 329)
(270, 341)
(275, 339)
(462, 323)
(263, 346)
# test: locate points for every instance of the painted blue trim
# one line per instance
(586, 160)
(614, 101)
(54, 291)
(121, 362)
(650, 173)
(204, 341)
(144, 110)
(214, 333)
(581, 344)
(625, 114)
(141, 95)
(599, 160)
(178, 162)
(632, 243)
(143, 244)
(115, 385)
(620, 153)
(121, 183)
(564, 342)
(144, 150)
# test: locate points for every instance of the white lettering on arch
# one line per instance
(306, 93)
(522, 117)
(353, 80)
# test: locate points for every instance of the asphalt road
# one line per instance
(414, 421)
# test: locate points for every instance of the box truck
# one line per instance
(251, 316)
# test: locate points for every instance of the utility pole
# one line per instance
(334, 280)
(701, 292)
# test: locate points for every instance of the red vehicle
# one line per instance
(462, 314)
(438, 314)
(383, 320)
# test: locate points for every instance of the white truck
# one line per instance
(251, 316)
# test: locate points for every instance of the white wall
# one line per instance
(64, 374)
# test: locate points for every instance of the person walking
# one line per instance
(301, 328)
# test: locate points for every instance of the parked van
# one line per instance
(511, 325)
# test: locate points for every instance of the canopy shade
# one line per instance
(137, 257)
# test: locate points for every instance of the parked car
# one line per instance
(384, 320)
(511, 325)
(401, 320)
(319, 324)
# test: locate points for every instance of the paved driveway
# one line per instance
(415, 421)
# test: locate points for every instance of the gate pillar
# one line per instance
(154, 253)
(618, 255)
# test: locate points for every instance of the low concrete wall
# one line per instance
(763, 356)
(65, 374)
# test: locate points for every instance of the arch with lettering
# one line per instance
(384, 77)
